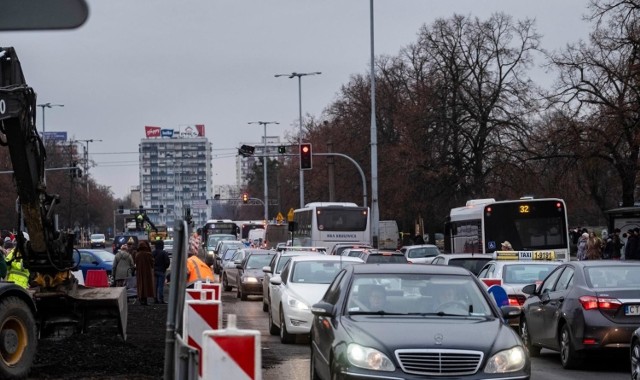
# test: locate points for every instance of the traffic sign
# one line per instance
(279, 218)
(290, 215)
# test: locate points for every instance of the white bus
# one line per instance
(323, 224)
(528, 224)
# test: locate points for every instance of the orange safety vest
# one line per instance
(198, 270)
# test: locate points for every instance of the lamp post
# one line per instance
(43, 106)
(375, 213)
(86, 172)
(290, 76)
(264, 165)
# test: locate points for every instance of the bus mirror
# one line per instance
(292, 226)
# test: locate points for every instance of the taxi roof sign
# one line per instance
(525, 255)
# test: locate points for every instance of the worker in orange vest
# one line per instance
(197, 270)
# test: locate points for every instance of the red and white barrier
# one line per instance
(200, 316)
(232, 354)
(215, 286)
(201, 295)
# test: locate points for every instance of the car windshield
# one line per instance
(97, 236)
(613, 276)
(258, 261)
(316, 272)
(417, 253)
(229, 253)
(526, 274)
(104, 255)
(416, 294)
(473, 265)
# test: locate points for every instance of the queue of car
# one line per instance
(575, 308)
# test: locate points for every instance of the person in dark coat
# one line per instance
(631, 246)
(160, 264)
(144, 272)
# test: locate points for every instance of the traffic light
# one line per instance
(282, 149)
(121, 209)
(75, 171)
(305, 156)
(246, 150)
(245, 197)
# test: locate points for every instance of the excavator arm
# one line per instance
(48, 251)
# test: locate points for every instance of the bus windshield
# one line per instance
(341, 219)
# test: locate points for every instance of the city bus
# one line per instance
(244, 226)
(215, 227)
(528, 224)
(323, 224)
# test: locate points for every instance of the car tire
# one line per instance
(243, 295)
(265, 307)
(273, 329)
(569, 357)
(17, 317)
(534, 351)
(635, 360)
(238, 293)
(225, 283)
(285, 337)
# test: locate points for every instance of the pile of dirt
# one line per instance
(100, 353)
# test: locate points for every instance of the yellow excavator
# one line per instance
(54, 304)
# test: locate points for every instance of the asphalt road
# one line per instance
(291, 362)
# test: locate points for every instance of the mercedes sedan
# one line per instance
(402, 321)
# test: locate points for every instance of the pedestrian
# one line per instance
(144, 272)
(632, 245)
(8, 245)
(160, 264)
(197, 270)
(617, 244)
(418, 239)
(506, 246)
(594, 247)
(122, 266)
(582, 246)
(16, 272)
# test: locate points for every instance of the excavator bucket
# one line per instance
(63, 313)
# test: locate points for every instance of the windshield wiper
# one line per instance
(379, 312)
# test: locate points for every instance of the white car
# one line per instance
(302, 282)
(420, 254)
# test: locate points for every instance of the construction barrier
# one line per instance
(232, 353)
(215, 286)
(201, 295)
(200, 316)
(97, 278)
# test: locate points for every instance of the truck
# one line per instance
(55, 303)
(388, 235)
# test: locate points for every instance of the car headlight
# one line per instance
(368, 358)
(250, 280)
(510, 360)
(294, 303)
(210, 253)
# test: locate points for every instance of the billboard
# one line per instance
(183, 131)
(55, 136)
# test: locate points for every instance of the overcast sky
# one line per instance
(170, 63)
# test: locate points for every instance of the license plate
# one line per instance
(632, 310)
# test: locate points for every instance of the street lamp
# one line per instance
(375, 218)
(290, 76)
(264, 165)
(43, 106)
(86, 171)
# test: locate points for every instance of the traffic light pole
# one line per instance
(364, 182)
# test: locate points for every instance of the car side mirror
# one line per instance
(322, 309)
(275, 280)
(529, 289)
(266, 269)
(510, 312)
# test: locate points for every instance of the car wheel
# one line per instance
(569, 358)
(225, 283)
(312, 365)
(635, 360)
(18, 329)
(238, 293)
(285, 337)
(534, 351)
(243, 296)
(273, 329)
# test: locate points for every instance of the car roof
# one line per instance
(300, 253)
(382, 252)
(521, 262)
(605, 263)
(410, 268)
(466, 255)
(419, 246)
(325, 258)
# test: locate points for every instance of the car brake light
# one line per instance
(591, 302)
(513, 301)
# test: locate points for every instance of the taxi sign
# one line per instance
(525, 255)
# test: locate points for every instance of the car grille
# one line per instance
(439, 362)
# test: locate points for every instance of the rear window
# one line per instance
(423, 252)
(473, 265)
(613, 276)
(393, 259)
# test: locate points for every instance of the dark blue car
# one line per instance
(95, 259)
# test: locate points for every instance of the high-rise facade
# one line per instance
(176, 175)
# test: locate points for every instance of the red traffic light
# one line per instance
(305, 156)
